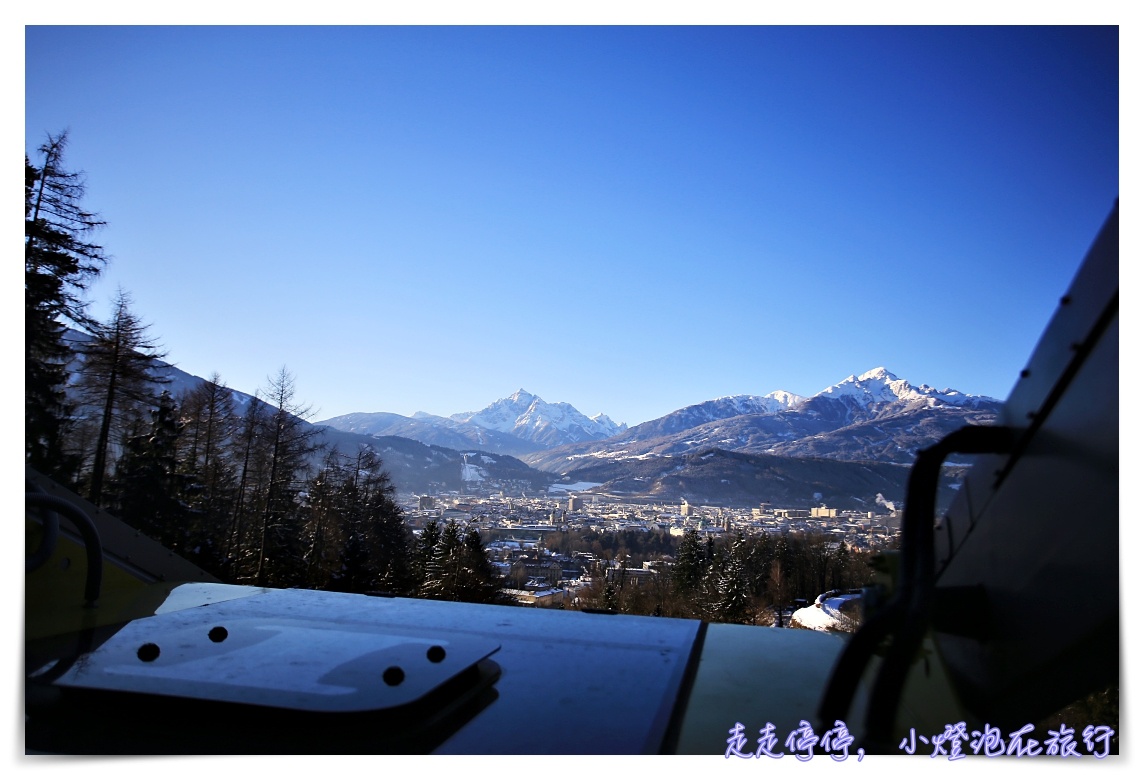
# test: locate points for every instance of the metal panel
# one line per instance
(754, 675)
(260, 651)
(570, 682)
(1093, 291)
(1040, 529)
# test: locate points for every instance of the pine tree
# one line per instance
(326, 505)
(148, 485)
(356, 553)
(209, 427)
(449, 564)
(733, 604)
(710, 594)
(759, 564)
(485, 585)
(210, 422)
(389, 536)
(426, 566)
(690, 565)
(290, 442)
(117, 380)
(466, 572)
(776, 587)
(359, 537)
(59, 263)
(249, 457)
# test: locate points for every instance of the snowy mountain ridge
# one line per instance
(756, 404)
(873, 416)
(531, 418)
(523, 424)
(879, 386)
(862, 395)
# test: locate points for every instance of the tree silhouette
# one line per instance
(59, 263)
(150, 490)
(210, 424)
(289, 443)
(118, 380)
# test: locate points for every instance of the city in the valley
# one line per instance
(548, 547)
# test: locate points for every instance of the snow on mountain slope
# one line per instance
(872, 416)
(780, 422)
(430, 429)
(717, 409)
(879, 393)
(531, 418)
(879, 386)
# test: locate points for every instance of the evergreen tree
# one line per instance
(611, 598)
(782, 564)
(209, 427)
(357, 553)
(733, 603)
(390, 537)
(466, 573)
(710, 595)
(59, 263)
(690, 564)
(369, 549)
(485, 584)
(117, 380)
(426, 565)
(147, 483)
(326, 505)
(290, 442)
(759, 563)
(448, 564)
(210, 423)
(777, 589)
(249, 457)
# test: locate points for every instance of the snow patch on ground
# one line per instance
(472, 473)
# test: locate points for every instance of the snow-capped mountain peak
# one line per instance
(879, 373)
(784, 399)
(606, 423)
(778, 401)
(875, 386)
(530, 417)
(878, 386)
(522, 398)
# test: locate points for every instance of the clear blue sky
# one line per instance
(628, 219)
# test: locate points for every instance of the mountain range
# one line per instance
(872, 417)
(846, 446)
(875, 416)
(516, 425)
